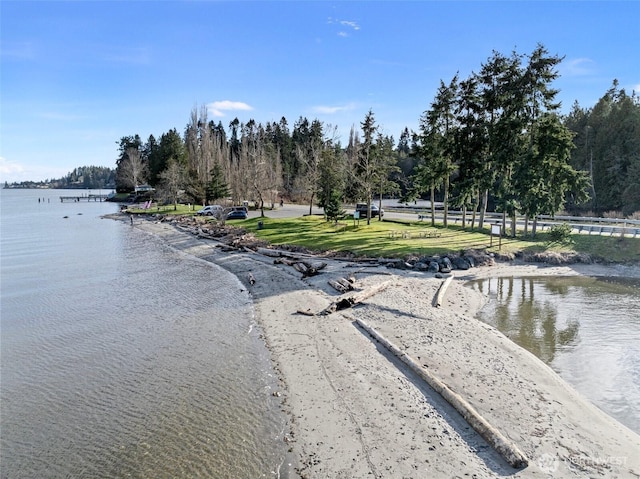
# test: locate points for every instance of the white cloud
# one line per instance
(217, 108)
(347, 23)
(9, 168)
(11, 171)
(330, 110)
(343, 23)
(579, 66)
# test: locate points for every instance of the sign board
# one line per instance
(356, 215)
(496, 230)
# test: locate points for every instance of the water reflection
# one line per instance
(529, 321)
(587, 329)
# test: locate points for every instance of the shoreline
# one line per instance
(356, 411)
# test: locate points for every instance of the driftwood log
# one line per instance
(287, 261)
(342, 285)
(274, 253)
(509, 451)
(308, 269)
(279, 253)
(349, 301)
(437, 301)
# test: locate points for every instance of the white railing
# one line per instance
(578, 224)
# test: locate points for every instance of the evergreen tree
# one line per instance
(333, 207)
(366, 173)
(217, 187)
(387, 167)
(436, 145)
(332, 173)
(170, 147)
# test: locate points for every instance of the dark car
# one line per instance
(362, 209)
(238, 213)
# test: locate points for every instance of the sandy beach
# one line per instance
(357, 411)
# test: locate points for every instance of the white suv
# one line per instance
(211, 210)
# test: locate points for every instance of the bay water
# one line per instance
(121, 357)
(587, 329)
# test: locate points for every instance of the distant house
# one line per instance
(144, 189)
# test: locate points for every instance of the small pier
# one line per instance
(79, 198)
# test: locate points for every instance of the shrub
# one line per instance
(333, 207)
(560, 234)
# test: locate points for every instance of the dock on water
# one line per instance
(90, 197)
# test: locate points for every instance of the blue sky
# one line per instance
(78, 76)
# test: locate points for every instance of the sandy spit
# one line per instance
(356, 411)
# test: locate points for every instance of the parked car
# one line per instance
(238, 213)
(362, 209)
(211, 210)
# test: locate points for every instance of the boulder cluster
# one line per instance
(444, 264)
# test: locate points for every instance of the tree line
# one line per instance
(493, 141)
(91, 177)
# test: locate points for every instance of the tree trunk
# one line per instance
(475, 210)
(483, 208)
(446, 201)
(433, 205)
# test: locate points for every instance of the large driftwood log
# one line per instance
(349, 282)
(342, 285)
(308, 269)
(349, 301)
(509, 451)
(282, 260)
(337, 286)
(437, 301)
(275, 253)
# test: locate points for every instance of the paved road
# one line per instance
(290, 210)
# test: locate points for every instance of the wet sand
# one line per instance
(357, 411)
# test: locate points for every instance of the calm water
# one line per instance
(586, 329)
(123, 358)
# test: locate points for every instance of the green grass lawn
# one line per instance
(416, 238)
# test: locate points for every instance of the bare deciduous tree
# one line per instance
(172, 182)
(134, 171)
